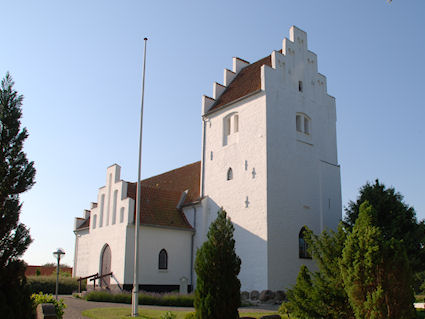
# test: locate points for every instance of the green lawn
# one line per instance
(121, 313)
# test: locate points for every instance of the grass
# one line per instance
(124, 313)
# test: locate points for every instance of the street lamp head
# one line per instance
(58, 253)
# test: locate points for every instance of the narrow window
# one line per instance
(300, 86)
(306, 126)
(298, 123)
(229, 174)
(102, 205)
(163, 259)
(302, 245)
(236, 123)
(228, 125)
(94, 221)
(122, 215)
(114, 207)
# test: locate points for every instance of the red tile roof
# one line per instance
(247, 81)
(85, 224)
(162, 193)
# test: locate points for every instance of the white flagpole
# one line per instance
(135, 294)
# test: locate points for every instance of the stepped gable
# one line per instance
(162, 193)
(247, 81)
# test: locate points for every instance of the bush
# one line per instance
(47, 285)
(145, 298)
(42, 298)
(168, 315)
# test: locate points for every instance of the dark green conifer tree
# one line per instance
(394, 218)
(376, 271)
(217, 294)
(321, 294)
(16, 176)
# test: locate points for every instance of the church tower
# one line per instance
(269, 158)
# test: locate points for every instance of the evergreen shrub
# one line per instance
(45, 298)
(47, 284)
(145, 298)
(217, 266)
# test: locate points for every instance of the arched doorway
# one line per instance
(105, 266)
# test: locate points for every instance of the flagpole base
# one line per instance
(134, 302)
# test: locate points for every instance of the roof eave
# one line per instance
(230, 103)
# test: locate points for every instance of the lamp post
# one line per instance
(58, 253)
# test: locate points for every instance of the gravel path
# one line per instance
(76, 306)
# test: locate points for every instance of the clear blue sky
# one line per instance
(79, 67)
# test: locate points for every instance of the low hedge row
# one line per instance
(145, 298)
(47, 284)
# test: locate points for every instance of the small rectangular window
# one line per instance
(236, 124)
(300, 86)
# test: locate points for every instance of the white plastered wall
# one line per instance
(303, 174)
(91, 242)
(243, 197)
(152, 240)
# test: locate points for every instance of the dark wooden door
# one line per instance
(106, 266)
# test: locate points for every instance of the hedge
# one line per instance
(145, 298)
(47, 284)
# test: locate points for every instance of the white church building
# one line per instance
(269, 158)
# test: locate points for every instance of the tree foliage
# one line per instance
(364, 269)
(321, 294)
(376, 271)
(16, 176)
(217, 294)
(394, 218)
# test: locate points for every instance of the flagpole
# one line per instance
(135, 293)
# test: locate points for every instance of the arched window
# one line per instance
(229, 174)
(230, 128)
(163, 259)
(302, 244)
(236, 123)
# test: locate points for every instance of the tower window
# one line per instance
(230, 128)
(299, 123)
(303, 123)
(163, 259)
(306, 125)
(229, 174)
(228, 125)
(300, 86)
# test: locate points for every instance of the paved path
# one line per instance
(76, 306)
